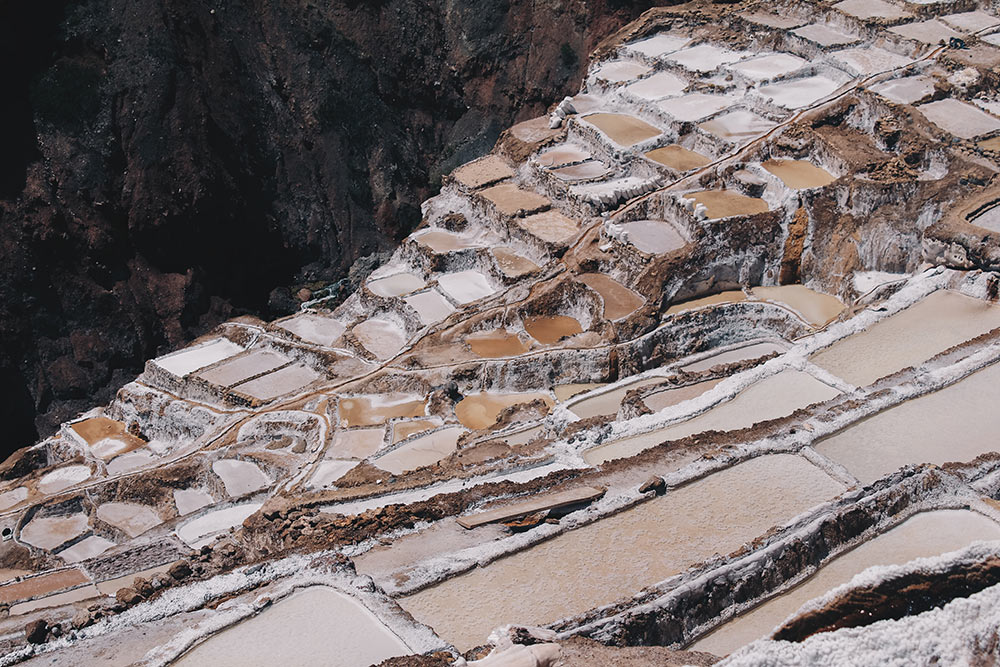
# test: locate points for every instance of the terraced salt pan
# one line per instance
(565, 392)
(695, 106)
(799, 174)
(798, 93)
(926, 32)
(420, 452)
(921, 536)
(608, 402)
(621, 554)
(745, 353)
(512, 264)
(130, 461)
(85, 549)
(431, 307)
(726, 203)
(771, 20)
(654, 237)
(191, 500)
(622, 129)
(563, 154)
(549, 329)
(112, 586)
(974, 21)
(768, 67)
(485, 171)
(328, 472)
(988, 219)
(993, 39)
(906, 90)
(939, 321)
(619, 71)
(191, 359)
(551, 226)
(824, 35)
(314, 328)
(442, 241)
(377, 409)
(52, 531)
(961, 119)
(199, 532)
(772, 398)
(865, 61)
(957, 423)
(659, 44)
(509, 199)
(244, 367)
(478, 411)
(356, 443)
(678, 158)
(737, 126)
(704, 57)
(584, 171)
(465, 286)
(132, 518)
(285, 381)
(671, 397)
(63, 478)
(814, 307)
(315, 626)
(69, 597)
(495, 344)
(240, 477)
(382, 338)
(661, 84)
(871, 9)
(396, 285)
(11, 498)
(403, 430)
(730, 296)
(42, 584)
(619, 301)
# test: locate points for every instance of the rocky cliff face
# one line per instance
(166, 163)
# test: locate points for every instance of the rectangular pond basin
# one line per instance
(921, 536)
(939, 321)
(486, 171)
(550, 226)
(243, 367)
(957, 423)
(729, 296)
(622, 129)
(620, 71)
(441, 241)
(509, 199)
(767, 67)
(772, 398)
(738, 126)
(704, 57)
(619, 301)
(316, 626)
(314, 328)
(621, 554)
(478, 411)
(377, 409)
(959, 118)
(395, 285)
(865, 61)
(726, 203)
(799, 174)
(798, 93)
(198, 356)
(926, 32)
(549, 329)
(383, 338)
(420, 452)
(814, 307)
(659, 44)
(825, 35)
(974, 21)
(608, 402)
(284, 381)
(562, 154)
(495, 344)
(678, 158)
(431, 306)
(872, 9)
(42, 585)
(654, 237)
(675, 395)
(512, 264)
(695, 106)
(661, 84)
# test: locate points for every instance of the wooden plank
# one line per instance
(583, 494)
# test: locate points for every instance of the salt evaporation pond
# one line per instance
(608, 402)
(478, 411)
(191, 359)
(799, 174)
(926, 32)
(768, 67)
(704, 57)
(280, 382)
(798, 93)
(11, 498)
(695, 106)
(377, 409)
(772, 398)
(382, 338)
(921, 536)
(737, 126)
(678, 158)
(42, 584)
(495, 344)
(510, 199)
(465, 286)
(726, 203)
(825, 35)
(396, 285)
(661, 84)
(240, 477)
(654, 237)
(676, 395)
(52, 531)
(431, 307)
(988, 219)
(63, 478)
(420, 452)
(659, 44)
(313, 328)
(328, 472)
(621, 554)
(550, 226)
(729, 296)
(549, 329)
(314, 626)
(85, 549)
(512, 264)
(562, 154)
(865, 61)
(132, 518)
(199, 532)
(403, 430)
(619, 301)
(69, 597)
(357, 443)
(905, 90)
(814, 307)
(191, 500)
(939, 321)
(619, 71)
(244, 367)
(871, 9)
(974, 21)
(581, 172)
(743, 353)
(961, 119)
(957, 423)
(441, 241)
(564, 392)
(622, 129)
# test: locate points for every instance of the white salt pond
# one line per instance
(420, 452)
(825, 35)
(939, 321)
(737, 126)
(356, 443)
(240, 477)
(199, 532)
(695, 106)
(465, 286)
(974, 21)
(191, 359)
(988, 219)
(871, 9)
(132, 518)
(772, 398)
(744, 353)
(993, 39)
(431, 307)
(814, 307)
(396, 285)
(921, 536)
(654, 237)
(583, 171)
(69, 597)
(191, 500)
(798, 93)
(623, 553)
(563, 154)
(85, 549)
(677, 395)
(314, 626)
(382, 338)
(957, 423)
(550, 226)
(441, 241)
(280, 382)
(243, 367)
(905, 90)
(619, 71)
(63, 478)
(659, 44)
(52, 531)
(328, 472)
(608, 402)
(11, 498)
(313, 328)
(958, 118)
(661, 84)
(768, 67)
(704, 57)
(865, 61)
(926, 32)
(130, 461)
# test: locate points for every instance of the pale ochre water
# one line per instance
(622, 129)
(924, 535)
(622, 554)
(678, 158)
(477, 411)
(618, 300)
(799, 174)
(815, 308)
(608, 402)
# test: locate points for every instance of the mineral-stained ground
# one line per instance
(700, 365)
